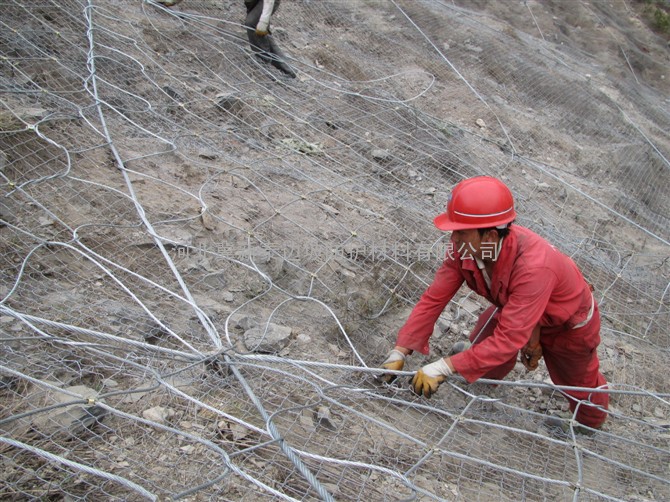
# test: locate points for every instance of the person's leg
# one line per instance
(572, 360)
(484, 328)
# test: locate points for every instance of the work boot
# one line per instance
(459, 347)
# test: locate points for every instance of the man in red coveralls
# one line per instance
(542, 306)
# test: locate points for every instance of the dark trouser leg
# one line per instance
(572, 360)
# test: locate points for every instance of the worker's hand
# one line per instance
(395, 362)
(531, 355)
(428, 379)
(532, 352)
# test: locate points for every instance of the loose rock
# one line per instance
(270, 338)
(158, 414)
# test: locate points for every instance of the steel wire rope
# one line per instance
(98, 401)
(512, 145)
(644, 136)
(109, 274)
(307, 474)
(458, 73)
(36, 203)
(198, 17)
(85, 468)
(541, 167)
(211, 445)
(226, 325)
(206, 323)
(658, 311)
(26, 318)
(78, 398)
(323, 393)
(351, 463)
(525, 2)
(68, 165)
(624, 334)
(336, 90)
(330, 311)
(452, 427)
(458, 378)
(272, 285)
(125, 195)
(161, 379)
(373, 467)
(368, 418)
(93, 78)
(621, 465)
(274, 432)
(211, 408)
(149, 281)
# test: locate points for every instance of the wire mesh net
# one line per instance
(205, 259)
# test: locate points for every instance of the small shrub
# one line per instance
(662, 20)
(656, 14)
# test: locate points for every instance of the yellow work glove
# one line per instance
(395, 362)
(428, 379)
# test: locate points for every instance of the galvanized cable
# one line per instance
(81, 467)
(274, 432)
(205, 321)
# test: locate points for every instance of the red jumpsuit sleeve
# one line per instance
(528, 299)
(419, 326)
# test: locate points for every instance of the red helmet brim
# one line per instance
(443, 222)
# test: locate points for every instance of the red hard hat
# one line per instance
(479, 202)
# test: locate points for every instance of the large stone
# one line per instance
(73, 418)
(158, 414)
(267, 338)
(209, 305)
